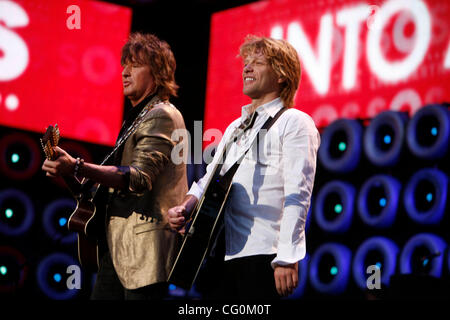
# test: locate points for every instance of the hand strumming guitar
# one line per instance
(178, 215)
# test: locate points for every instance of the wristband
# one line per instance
(78, 165)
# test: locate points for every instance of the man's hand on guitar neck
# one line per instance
(178, 215)
(63, 165)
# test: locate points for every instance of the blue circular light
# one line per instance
(3, 270)
(9, 213)
(334, 270)
(377, 153)
(15, 158)
(62, 221)
(437, 198)
(28, 218)
(385, 247)
(342, 220)
(342, 256)
(388, 201)
(43, 272)
(54, 222)
(13, 270)
(172, 287)
(349, 148)
(8, 159)
(434, 131)
(338, 208)
(440, 130)
(57, 277)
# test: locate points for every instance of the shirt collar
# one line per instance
(134, 111)
(271, 108)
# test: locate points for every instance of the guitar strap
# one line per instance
(218, 246)
(141, 116)
(228, 176)
(139, 119)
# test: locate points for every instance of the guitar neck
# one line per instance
(74, 186)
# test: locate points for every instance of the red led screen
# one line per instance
(358, 57)
(60, 63)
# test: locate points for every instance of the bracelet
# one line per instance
(78, 165)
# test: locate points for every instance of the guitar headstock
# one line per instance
(249, 121)
(50, 140)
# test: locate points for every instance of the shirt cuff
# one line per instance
(288, 254)
(195, 190)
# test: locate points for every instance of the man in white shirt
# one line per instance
(266, 210)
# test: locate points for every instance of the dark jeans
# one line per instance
(108, 287)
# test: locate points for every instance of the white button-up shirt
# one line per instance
(271, 191)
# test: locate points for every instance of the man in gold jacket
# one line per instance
(146, 182)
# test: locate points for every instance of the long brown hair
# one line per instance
(283, 59)
(147, 49)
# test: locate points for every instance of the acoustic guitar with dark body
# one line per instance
(88, 218)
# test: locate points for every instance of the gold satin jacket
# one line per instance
(142, 246)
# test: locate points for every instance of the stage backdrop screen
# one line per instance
(358, 58)
(60, 64)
